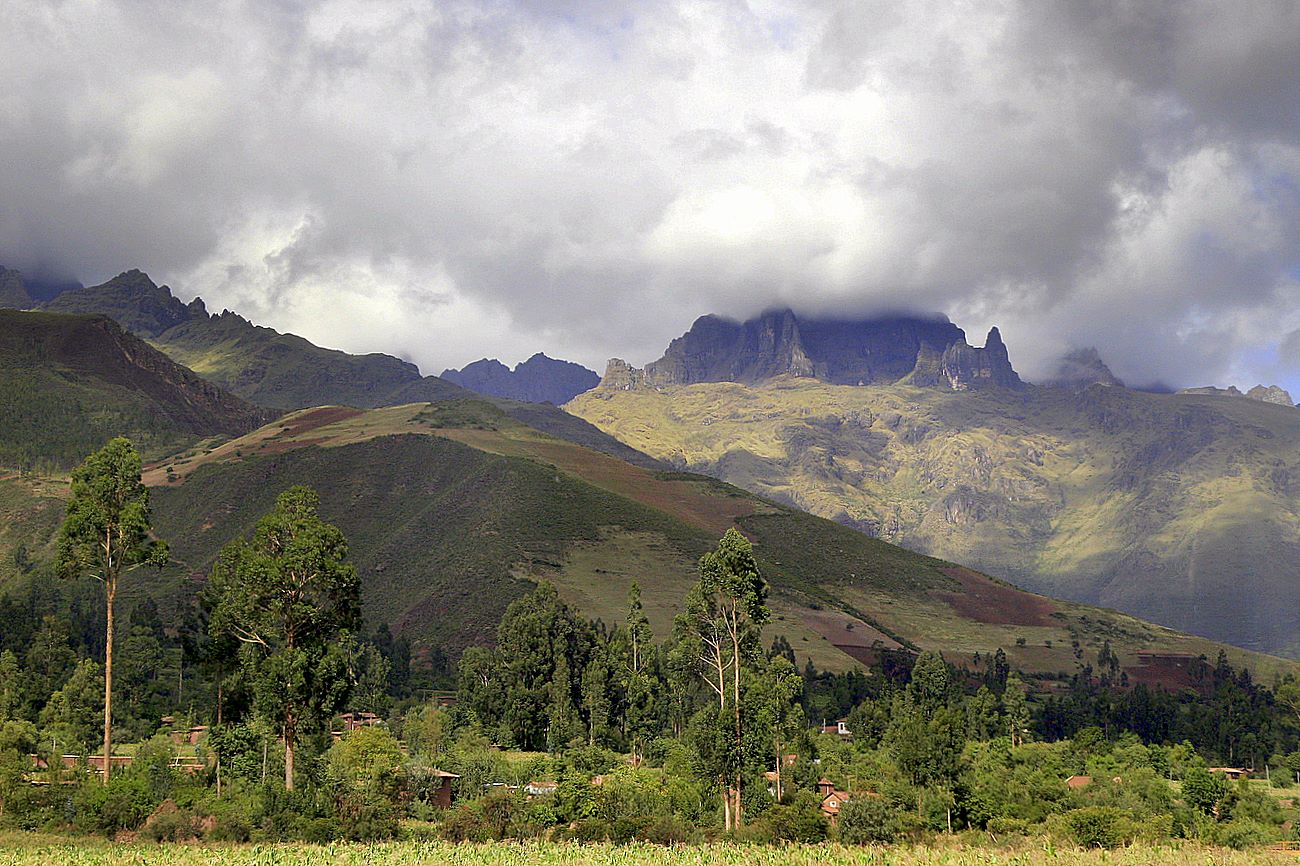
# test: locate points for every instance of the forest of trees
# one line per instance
(578, 728)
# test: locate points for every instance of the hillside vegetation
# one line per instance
(1180, 509)
(455, 509)
(69, 383)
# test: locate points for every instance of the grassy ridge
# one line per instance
(1180, 509)
(454, 509)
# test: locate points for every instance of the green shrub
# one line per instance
(1099, 827)
(864, 820)
(465, 823)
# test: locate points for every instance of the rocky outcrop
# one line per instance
(1271, 394)
(13, 292)
(538, 380)
(1081, 369)
(930, 352)
(1263, 393)
(966, 368)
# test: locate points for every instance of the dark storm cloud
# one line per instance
(449, 180)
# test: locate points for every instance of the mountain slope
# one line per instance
(454, 509)
(1181, 509)
(538, 380)
(69, 383)
(285, 371)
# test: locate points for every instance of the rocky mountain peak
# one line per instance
(132, 299)
(1271, 394)
(1080, 368)
(927, 351)
(538, 380)
(13, 291)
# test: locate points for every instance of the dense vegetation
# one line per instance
(571, 728)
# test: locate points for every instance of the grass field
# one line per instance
(28, 850)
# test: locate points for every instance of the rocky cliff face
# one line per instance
(927, 352)
(538, 380)
(13, 292)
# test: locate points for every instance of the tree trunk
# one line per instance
(288, 753)
(111, 586)
(740, 746)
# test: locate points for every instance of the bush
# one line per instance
(864, 820)
(170, 824)
(366, 815)
(465, 824)
(1099, 827)
(799, 821)
(589, 830)
(1002, 826)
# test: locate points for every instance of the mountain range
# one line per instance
(456, 503)
(1183, 509)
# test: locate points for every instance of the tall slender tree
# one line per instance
(106, 534)
(725, 612)
(289, 596)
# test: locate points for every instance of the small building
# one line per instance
(442, 793)
(540, 789)
(1231, 773)
(839, 729)
(832, 799)
(1076, 783)
(190, 737)
(356, 721)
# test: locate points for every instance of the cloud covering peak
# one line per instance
(444, 181)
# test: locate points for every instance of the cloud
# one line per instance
(445, 181)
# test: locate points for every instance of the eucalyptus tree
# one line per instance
(725, 612)
(106, 534)
(290, 597)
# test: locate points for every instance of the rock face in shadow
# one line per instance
(13, 291)
(538, 380)
(1081, 369)
(929, 352)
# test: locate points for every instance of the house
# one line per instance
(1076, 783)
(356, 721)
(1231, 773)
(540, 789)
(189, 737)
(839, 729)
(832, 799)
(442, 793)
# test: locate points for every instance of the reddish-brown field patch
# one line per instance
(314, 418)
(986, 601)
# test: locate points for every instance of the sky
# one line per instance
(445, 181)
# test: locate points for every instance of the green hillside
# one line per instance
(1181, 509)
(70, 383)
(453, 510)
(284, 371)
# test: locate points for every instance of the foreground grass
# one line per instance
(37, 850)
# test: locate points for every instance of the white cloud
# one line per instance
(449, 180)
